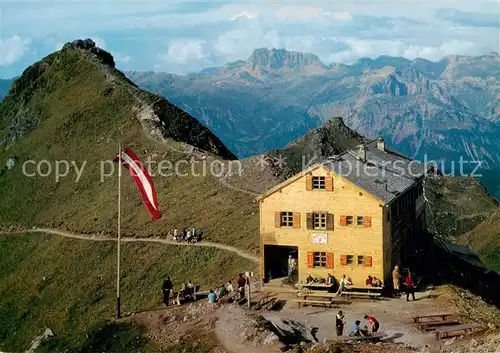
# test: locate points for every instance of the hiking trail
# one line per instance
(219, 246)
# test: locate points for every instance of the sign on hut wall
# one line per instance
(319, 238)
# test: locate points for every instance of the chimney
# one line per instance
(381, 144)
(362, 153)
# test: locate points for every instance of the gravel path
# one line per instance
(65, 234)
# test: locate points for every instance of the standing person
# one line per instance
(166, 288)
(292, 265)
(374, 324)
(193, 233)
(176, 234)
(188, 236)
(395, 279)
(339, 323)
(183, 235)
(229, 287)
(241, 281)
(410, 287)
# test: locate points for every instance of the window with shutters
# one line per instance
(361, 260)
(287, 219)
(350, 259)
(319, 220)
(349, 220)
(320, 259)
(318, 183)
(360, 221)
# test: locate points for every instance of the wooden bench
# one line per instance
(259, 299)
(457, 330)
(189, 294)
(443, 317)
(317, 295)
(313, 302)
(432, 325)
(373, 296)
(377, 336)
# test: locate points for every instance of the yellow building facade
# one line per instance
(330, 225)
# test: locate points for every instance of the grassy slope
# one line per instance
(456, 205)
(81, 116)
(81, 123)
(485, 240)
(68, 286)
(460, 210)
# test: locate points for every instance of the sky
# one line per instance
(187, 36)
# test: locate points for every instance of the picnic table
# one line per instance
(456, 330)
(432, 317)
(305, 295)
(435, 324)
(259, 299)
(362, 291)
(367, 289)
(326, 303)
(314, 285)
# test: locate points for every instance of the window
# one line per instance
(349, 220)
(320, 259)
(287, 219)
(318, 183)
(350, 259)
(319, 220)
(360, 221)
(361, 260)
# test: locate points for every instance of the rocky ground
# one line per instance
(230, 328)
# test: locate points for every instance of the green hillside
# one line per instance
(69, 286)
(75, 106)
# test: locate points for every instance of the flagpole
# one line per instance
(119, 233)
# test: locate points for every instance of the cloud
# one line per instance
(473, 19)
(211, 34)
(13, 49)
(183, 50)
(121, 58)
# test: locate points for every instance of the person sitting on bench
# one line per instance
(355, 329)
(330, 280)
(212, 297)
(309, 279)
(376, 282)
(344, 282)
(369, 280)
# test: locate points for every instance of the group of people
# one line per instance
(374, 281)
(221, 291)
(168, 286)
(190, 236)
(214, 294)
(356, 330)
(409, 284)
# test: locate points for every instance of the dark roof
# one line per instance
(462, 252)
(384, 174)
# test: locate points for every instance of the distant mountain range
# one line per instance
(446, 109)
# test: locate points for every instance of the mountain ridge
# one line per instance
(159, 117)
(256, 108)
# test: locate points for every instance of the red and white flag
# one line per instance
(142, 178)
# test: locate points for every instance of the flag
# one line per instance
(142, 179)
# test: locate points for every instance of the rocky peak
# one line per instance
(90, 46)
(278, 59)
